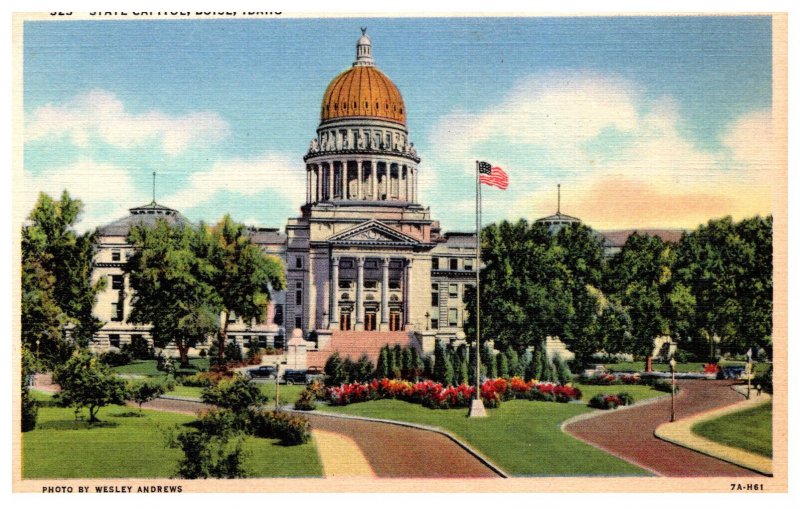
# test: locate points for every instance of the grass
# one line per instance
(126, 444)
(749, 430)
(522, 437)
(148, 367)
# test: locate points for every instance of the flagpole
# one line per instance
(476, 409)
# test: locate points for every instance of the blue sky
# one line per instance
(654, 121)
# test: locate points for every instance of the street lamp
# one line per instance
(427, 320)
(672, 369)
(277, 384)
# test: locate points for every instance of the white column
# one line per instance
(329, 182)
(317, 185)
(374, 180)
(407, 291)
(308, 184)
(359, 176)
(360, 294)
(334, 299)
(385, 294)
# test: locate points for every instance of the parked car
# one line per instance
(295, 376)
(313, 374)
(268, 372)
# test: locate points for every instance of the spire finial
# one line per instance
(154, 187)
(558, 211)
(363, 30)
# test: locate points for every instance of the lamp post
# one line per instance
(427, 320)
(277, 385)
(672, 369)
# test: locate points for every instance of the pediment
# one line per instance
(373, 232)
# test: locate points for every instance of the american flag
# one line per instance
(492, 175)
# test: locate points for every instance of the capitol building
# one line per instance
(365, 263)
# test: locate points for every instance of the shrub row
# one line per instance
(611, 401)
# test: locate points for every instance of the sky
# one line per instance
(644, 121)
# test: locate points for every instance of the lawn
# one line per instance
(148, 367)
(126, 444)
(750, 430)
(522, 437)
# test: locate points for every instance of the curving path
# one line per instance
(629, 433)
(390, 449)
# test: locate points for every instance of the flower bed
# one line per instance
(609, 379)
(435, 395)
(611, 401)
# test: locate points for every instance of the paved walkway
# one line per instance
(629, 433)
(341, 456)
(389, 450)
(680, 432)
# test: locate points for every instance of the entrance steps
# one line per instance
(354, 344)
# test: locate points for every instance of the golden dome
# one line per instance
(363, 91)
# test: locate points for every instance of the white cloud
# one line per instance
(246, 177)
(107, 191)
(624, 159)
(101, 115)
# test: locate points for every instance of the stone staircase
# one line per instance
(354, 344)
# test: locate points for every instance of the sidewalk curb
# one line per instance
(680, 433)
(500, 472)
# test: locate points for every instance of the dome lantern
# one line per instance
(364, 50)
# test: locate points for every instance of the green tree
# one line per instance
(334, 370)
(727, 268)
(525, 292)
(242, 274)
(641, 278)
(57, 291)
(237, 394)
(442, 365)
(171, 280)
(88, 383)
(144, 391)
(384, 368)
(502, 365)
(364, 369)
(30, 407)
(216, 451)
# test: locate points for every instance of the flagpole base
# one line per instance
(476, 409)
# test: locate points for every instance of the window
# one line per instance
(435, 298)
(113, 339)
(232, 317)
(118, 282)
(298, 297)
(345, 284)
(468, 262)
(434, 323)
(278, 320)
(435, 263)
(117, 311)
(453, 293)
(394, 284)
(115, 255)
(370, 264)
(370, 284)
(453, 263)
(452, 317)
(298, 262)
(298, 322)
